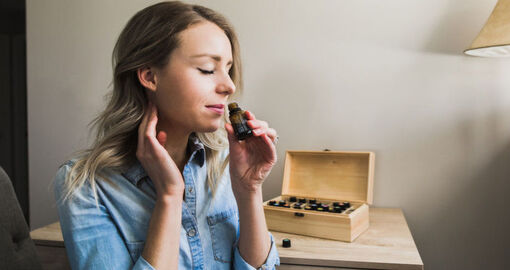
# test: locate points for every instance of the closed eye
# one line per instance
(206, 71)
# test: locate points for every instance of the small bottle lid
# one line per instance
(272, 202)
(312, 201)
(286, 243)
(293, 199)
(233, 107)
(302, 200)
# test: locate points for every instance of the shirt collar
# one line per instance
(136, 172)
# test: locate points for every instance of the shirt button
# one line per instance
(190, 189)
(192, 233)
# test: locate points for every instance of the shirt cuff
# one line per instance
(272, 259)
(142, 264)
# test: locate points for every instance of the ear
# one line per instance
(147, 78)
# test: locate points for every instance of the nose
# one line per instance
(226, 86)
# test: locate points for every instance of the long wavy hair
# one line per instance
(148, 39)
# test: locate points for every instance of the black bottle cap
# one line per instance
(336, 204)
(347, 204)
(302, 200)
(297, 206)
(313, 206)
(286, 243)
(292, 199)
(272, 202)
(337, 209)
(325, 207)
(233, 107)
(281, 202)
(312, 201)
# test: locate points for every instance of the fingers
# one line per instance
(258, 127)
(161, 138)
(153, 120)
(254, 124)
(261, 127)
(143, 125)
(230, 133)
(147, 138)
(249, 115)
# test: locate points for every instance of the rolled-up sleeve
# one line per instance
(271, 260)
(91, 238)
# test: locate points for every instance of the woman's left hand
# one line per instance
(252, 159)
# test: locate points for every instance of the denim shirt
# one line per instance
(113, 235)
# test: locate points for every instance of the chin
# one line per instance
(212, 127)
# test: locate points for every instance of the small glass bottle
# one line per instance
(238, 121)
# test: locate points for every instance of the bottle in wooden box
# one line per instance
(334, 190)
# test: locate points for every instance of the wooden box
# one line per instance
(327, 177)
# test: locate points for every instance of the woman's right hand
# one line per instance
(154, 158)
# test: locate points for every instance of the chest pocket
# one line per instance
(223, 227)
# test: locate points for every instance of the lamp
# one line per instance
(494, 38)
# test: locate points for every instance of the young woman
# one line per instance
(166, 185)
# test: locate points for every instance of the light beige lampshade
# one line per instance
(494, 39)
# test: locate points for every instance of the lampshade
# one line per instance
(494, 39)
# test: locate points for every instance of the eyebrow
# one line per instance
(213, 56)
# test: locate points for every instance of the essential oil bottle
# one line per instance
(238, 121)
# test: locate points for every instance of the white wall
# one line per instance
(387, 76)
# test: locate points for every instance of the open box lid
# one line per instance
(331, 175)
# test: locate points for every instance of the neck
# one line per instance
(176, 142)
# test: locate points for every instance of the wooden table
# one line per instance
(387, 244)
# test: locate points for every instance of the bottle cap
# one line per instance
(286, 243)
(232, 106)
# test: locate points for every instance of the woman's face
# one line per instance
(192, 90)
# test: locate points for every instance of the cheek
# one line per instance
(184, 96)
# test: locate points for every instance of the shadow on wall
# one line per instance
(477, 227)
(461, 220)
(458, 26)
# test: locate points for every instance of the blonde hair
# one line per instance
(148, 38)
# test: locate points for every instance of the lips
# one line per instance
(216, 108)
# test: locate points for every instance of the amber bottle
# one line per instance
(238, 121)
